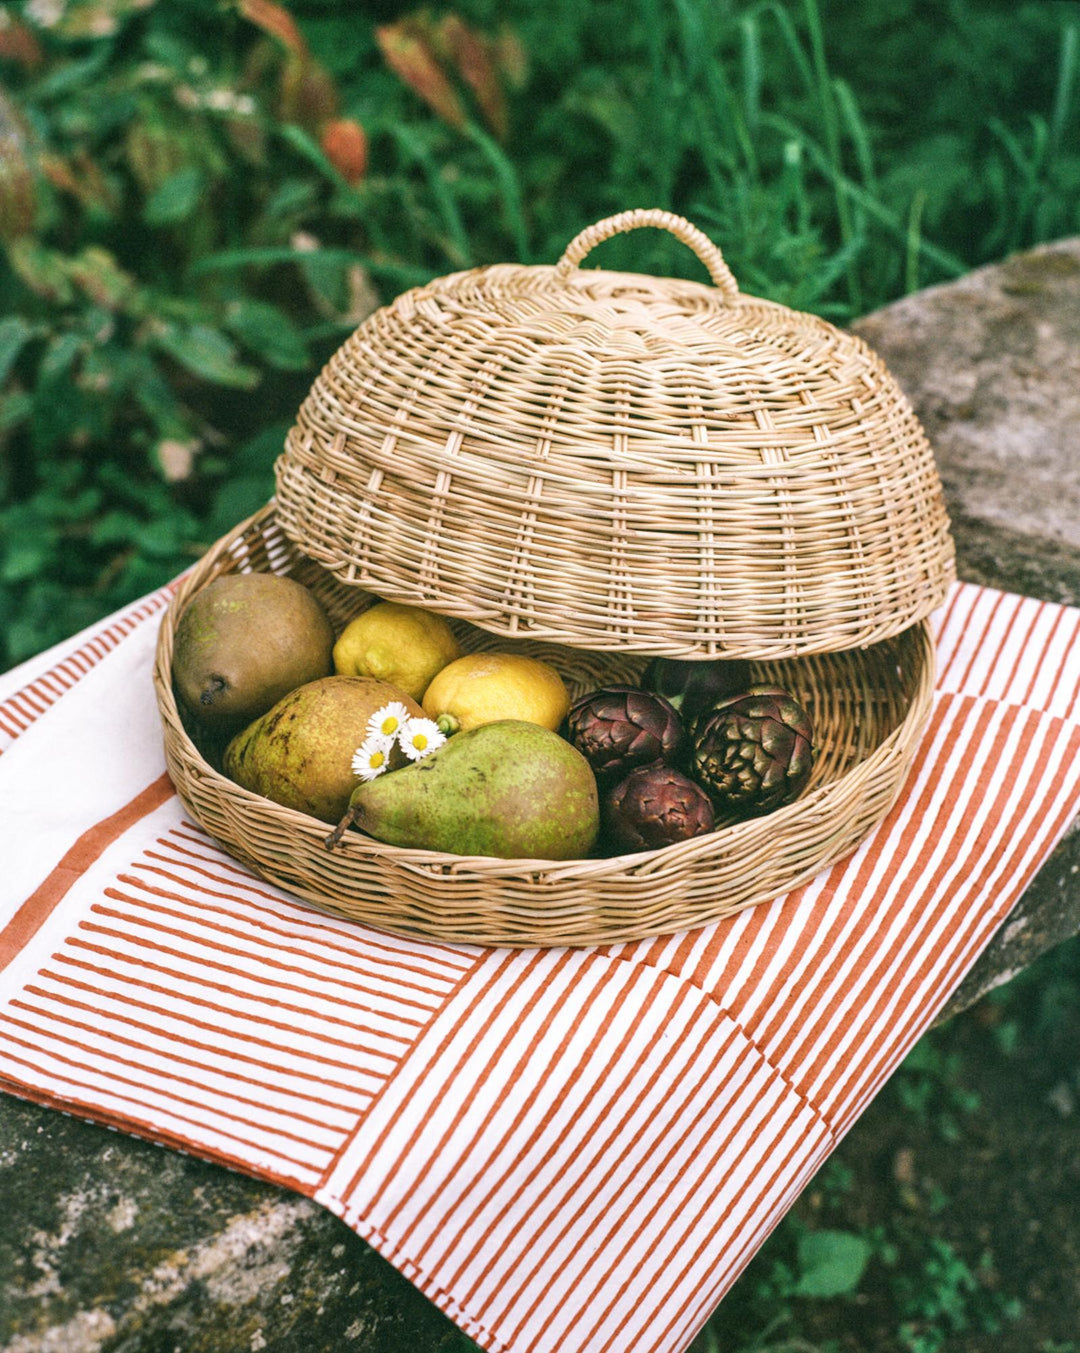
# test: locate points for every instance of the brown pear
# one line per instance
(300, 752)
(243, 642)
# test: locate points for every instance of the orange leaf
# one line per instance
(345, 145)
(81, 177)
(17, 43)
(18, 197)
(59, 175)
(471, 54)
(407, 51)
(277, 21)
(94, 188)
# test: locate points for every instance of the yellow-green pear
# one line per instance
(510, 789)
(300, 752)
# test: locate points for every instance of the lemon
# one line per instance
(486, 687)
(402, 645)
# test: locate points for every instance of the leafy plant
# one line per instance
(944, 1297)
(929, 1085)
(831, 1263)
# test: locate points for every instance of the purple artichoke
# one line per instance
(655, 806)
(691, 687)
(620, 728)
(753, 752)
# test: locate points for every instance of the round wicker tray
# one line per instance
(869, 707)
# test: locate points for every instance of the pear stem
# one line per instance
(447, 725)
(349, 820)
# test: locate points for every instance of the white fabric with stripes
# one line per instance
(564, 1149)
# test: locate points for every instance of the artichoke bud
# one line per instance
(620, 728)
(655, 806)
(753, 752)
(691, 687)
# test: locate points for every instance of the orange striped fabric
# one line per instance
(28, 702)
(573, 1149)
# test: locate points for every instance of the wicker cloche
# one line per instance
(614, 461)
(594, 467)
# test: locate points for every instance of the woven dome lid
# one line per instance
(614, 461)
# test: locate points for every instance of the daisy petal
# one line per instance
(372, 757)
(388, 721)
(419, 738)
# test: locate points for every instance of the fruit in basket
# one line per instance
(483, 688)
(299, 754)
(753, 752)
(655, 806)
(243, 642)
(510, 789)
(691, 687)
(620, 728)
(403, 645)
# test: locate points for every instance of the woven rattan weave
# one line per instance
(868, 708)
(620, 463)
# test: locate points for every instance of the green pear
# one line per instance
(243, 642)
(300, 752)
(509, 789)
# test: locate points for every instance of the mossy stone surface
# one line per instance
(991, 364)
(115, 1245)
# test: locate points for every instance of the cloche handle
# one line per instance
(682, 229)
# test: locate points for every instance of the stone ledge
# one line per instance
(991, 364)
(115, 1245)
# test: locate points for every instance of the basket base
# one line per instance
(868, 706)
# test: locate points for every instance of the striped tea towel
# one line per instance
(564, 1149)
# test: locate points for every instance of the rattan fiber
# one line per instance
(620, 463)
(868, 706)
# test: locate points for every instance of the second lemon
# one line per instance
(403, 645)
(483, 688)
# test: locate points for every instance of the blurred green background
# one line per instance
(199, 200)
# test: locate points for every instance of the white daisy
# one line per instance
(372, 757)
(420, 737)
(388, 721)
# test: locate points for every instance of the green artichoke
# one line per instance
(753, 752)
